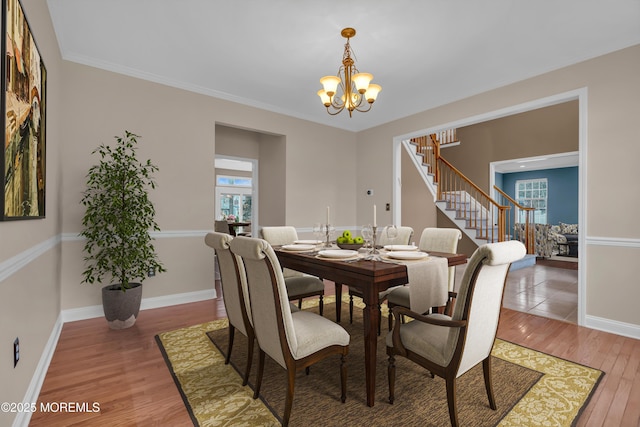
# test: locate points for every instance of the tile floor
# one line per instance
(541, 290)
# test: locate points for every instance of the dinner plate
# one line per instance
(401, 248)
(407, 255)
(307, 242)
(337, 253)
(298, 248)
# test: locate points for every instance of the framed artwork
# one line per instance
(24, 80)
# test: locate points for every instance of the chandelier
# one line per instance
(356, 92)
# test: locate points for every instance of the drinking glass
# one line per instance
(392, 232)
(318, 231)
(367, 234)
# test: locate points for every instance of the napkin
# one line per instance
(428, 283)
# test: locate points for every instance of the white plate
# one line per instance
(407, 255)
(308, 242)
(337, 253)
(298, 248)
(401, 247)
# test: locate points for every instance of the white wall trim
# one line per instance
(12, 265)
(613, 326)
(622, 242)
(33, 391)
(93, 311)
(83, 313)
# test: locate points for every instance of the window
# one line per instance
(233, 197)
(533, 193)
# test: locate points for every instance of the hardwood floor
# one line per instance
(125, 373)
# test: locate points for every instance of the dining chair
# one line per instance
(436, 240)
(299, 285)
(221, 226)
(293, 340)
(450, 346)
(402, 237)
(235, 294)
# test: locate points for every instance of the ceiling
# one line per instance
(271, 54)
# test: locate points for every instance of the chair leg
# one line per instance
(379, 318)
(343, 378)
(391, 373)
(232, 333)
(390, 317)
(291, 379)
(486, 369)
(350, 308)
(451, 400)
(247, 369)
(300, 304)
(321, 305)
(256, 392)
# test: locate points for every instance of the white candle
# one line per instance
(375, 223)
(328, 215)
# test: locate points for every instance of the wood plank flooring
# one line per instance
(125, 373)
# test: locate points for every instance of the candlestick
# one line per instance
(375, 223)
(328, 222)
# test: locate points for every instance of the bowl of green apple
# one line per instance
(348, 241)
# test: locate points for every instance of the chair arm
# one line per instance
(399, 311)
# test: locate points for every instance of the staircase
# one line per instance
(471, 209)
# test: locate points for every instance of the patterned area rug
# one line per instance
(531, 388)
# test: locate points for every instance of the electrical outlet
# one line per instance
(388, 206)
(151, 272)
(16, 352)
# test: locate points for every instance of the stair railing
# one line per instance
(520, 222)
(470, 202)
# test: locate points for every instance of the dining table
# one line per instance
(370, 276)
(233, 226)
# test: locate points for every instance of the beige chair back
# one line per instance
(221, 226)
(270, 308)
(441, 240)
(232, 279)
(278, 236)
(480, 298)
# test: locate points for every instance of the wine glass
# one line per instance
(391, 232)
(318, 231)
(367, 234)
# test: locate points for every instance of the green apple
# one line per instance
(341, 240)
(349, 241)
(346, 233)
(359, 240)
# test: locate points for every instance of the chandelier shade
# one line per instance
(350, 88)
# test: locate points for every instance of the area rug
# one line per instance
(531, 388)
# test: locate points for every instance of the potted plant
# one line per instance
(118, 219)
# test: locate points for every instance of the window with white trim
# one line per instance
(532, 193)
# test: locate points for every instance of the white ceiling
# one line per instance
(270, 54)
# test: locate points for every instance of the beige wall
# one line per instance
(547, 130)
(612, 149)
(323, 166)
(30, 255)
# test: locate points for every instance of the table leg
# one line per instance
(338, 301)
(371, 316)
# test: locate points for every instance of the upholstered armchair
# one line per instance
(235, 294)
(294, 340)
(299, 285)
(543, 243)
(403, 237)
(450, 346)
(432, 240)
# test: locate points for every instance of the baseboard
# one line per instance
(33, 391)
(613, 326)
(91, 312)
(71, 315)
